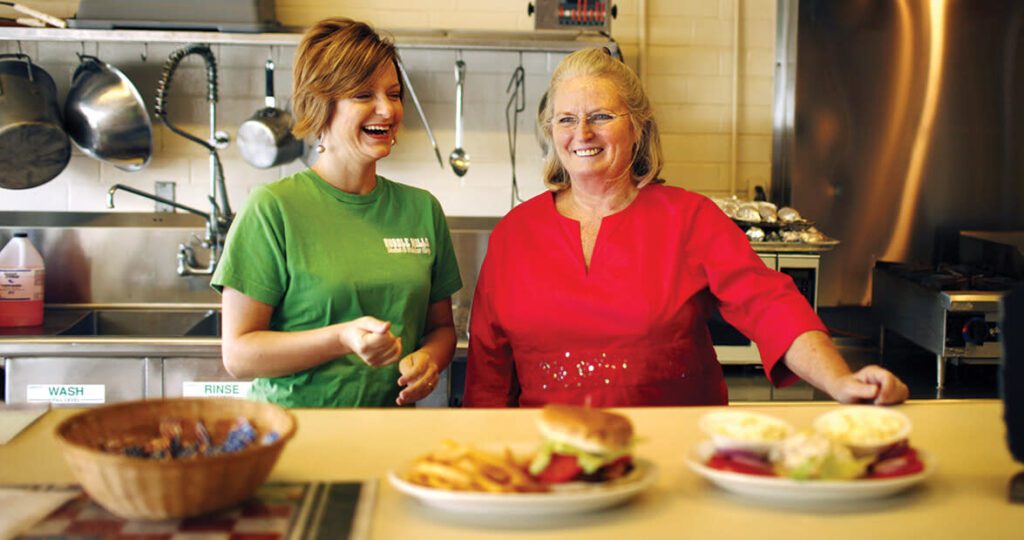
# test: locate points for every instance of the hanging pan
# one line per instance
(34, 148)
(266, 139)
(105, 116)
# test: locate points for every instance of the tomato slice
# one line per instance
(740, 464)
(562, 468)
(901, 465)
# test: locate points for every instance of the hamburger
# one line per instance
(582, 444)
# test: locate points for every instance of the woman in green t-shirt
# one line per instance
(336, 282)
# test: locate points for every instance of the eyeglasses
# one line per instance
(596, 120)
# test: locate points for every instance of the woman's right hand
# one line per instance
(371, 340)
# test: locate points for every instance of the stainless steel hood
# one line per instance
(897, 124)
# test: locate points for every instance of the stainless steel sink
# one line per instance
(146, 323)
(208, 326)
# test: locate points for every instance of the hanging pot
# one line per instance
(34, 148)
(266, 139)
(105, 116)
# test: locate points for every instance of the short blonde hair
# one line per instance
(336, 57)
(598, 62)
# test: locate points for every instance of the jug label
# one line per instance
(66, 393)
(21, 285)
(215, 389)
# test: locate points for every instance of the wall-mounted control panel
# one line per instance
(594, 15)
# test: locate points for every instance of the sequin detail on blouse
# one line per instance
(574, 372)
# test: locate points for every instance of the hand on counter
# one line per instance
(419, 377)
(371, 340)
(814, 358)
(871, 383)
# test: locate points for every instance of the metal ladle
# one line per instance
(459, 159)
(419, 109)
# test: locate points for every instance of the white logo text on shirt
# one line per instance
(408, 245)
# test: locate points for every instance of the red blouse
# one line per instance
(631, 330)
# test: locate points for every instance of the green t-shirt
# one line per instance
(321, 256)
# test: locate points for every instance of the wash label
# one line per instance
(215, 389)
(66, 393)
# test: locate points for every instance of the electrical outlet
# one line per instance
(165, 190)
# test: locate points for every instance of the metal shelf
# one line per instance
(536, 41)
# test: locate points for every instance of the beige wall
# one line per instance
(689, 69)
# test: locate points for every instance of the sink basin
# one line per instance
(146, 323)
(208, 326)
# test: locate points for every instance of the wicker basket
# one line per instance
(138, 488)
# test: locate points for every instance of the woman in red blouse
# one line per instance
(598, 291)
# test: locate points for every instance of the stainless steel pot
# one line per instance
(105, 116)
(266, 139)
(33, 145)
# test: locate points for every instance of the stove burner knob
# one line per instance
(976, 331)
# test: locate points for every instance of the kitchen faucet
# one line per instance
(218, 219)
(217, 224)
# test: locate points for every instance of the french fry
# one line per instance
(451, 451)
(444, 472)
(463, 467)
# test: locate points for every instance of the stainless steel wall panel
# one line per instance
(130, 258)
(905, 127)
(112, 258)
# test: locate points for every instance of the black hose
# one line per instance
(164, 86)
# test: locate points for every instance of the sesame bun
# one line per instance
(591, 430)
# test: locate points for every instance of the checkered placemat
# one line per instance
(276, 512)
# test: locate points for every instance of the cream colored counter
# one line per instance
(966, 498)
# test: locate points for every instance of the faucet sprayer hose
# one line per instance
(222, 188)
(164, 86)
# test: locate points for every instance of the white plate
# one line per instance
(570, 498)
(774, 489)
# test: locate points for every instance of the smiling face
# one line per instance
(365, 123)
(599, 147)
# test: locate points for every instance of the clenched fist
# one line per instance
(371, 340)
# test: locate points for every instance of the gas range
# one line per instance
(952, 277)
(950, 310)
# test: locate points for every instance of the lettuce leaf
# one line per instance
(588, 461)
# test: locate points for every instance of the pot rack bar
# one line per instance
(535, 41)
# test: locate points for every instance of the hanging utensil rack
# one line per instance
(535, 41)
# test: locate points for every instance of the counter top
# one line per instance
(793, 247)
(51, 339)
(67, 331)
(54, 322)
(965, 498)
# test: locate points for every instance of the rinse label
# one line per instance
(215, 389)
(66, 393)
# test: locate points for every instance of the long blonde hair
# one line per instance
(598, 62)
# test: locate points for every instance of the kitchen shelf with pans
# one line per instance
(533, 41)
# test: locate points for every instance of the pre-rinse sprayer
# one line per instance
(218, 219)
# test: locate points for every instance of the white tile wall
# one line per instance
(689, 77)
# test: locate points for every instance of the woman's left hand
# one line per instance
(419, 377)
(871, 383)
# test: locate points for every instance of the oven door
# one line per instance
(731, 346)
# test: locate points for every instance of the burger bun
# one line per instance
(592, 430)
